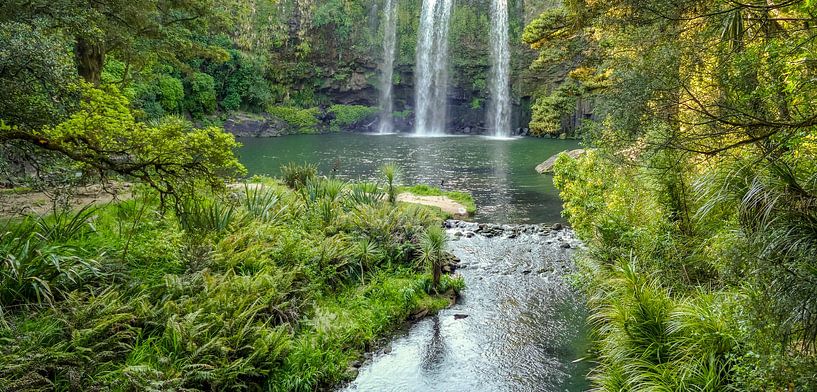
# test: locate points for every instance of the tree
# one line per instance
(171, 156)
(135, 30)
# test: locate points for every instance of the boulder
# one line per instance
(547, 166)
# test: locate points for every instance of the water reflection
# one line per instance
(435, 349)
(524, 329)
(501, 187)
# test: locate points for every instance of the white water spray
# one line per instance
(387, 67)
(431, 86)
(499, 110)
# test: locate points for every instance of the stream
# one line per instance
(519, 325)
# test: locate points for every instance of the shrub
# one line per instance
(65, 224)
(432, 246)
(297, 176)
(261, 202)
(32, 269)
(302, 120)
(200, 99)
(390, 172)
(202, 216)
(349, 115)
(171, 93)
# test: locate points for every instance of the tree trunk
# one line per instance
(436, 273)
(90, 57)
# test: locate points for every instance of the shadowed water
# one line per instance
(499, 173)
(524, 330)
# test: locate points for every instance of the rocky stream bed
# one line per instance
(519, 325)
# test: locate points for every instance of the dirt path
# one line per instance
(39, 203)
(444, 203)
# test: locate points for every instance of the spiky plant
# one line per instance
(201, 216)
(365, 193)
(296, 176)
(262, 203)
(64, 223)
(390, 172)
(367, 254)
(432, 246)
(33, 269)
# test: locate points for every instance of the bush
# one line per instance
(200, 99)
(302, 120)
(171, 93)
(199, 216)
(32, 269)
(297, 176)
(350, 115)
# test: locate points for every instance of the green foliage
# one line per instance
(262, 203)
(297, 176)
(390, 172)
(302, 120)
(36, 270)
(171, 93)
(476, 103)
(548, 111)
(65, 224)
(350, 115)
(283, 301)
(37, 75)
(170, 155)
(366, 193)
(202, 216)
(721, 327)
(432, 247)
(403, 114)
(200, 98)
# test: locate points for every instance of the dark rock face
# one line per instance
(243, 125)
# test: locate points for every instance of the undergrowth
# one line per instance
(267, 288)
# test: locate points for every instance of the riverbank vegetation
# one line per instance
(698, 203)
(265, 287)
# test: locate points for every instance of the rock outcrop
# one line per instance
(547, 166)
(247, 125)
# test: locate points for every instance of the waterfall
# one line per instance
(499, 110)
(431, 85)
(387, 67)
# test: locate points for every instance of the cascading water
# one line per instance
(499, 110)
(431, 87)
(387, 68)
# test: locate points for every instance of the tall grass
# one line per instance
(262, 203)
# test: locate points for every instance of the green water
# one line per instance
(499, 173)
